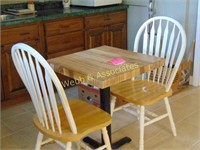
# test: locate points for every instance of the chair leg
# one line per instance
(39, 141)
(68, 146)
(141, 142)
(170, 116)
(112, 104)
(106, 138)
(78, 145)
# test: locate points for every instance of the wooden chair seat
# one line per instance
(88, 118)
(140, 92)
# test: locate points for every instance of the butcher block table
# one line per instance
(94, 67)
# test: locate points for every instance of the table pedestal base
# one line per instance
(115, 145)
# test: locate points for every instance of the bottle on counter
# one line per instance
(66, 3)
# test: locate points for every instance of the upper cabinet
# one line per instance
(106, 29)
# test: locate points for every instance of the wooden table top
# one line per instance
(93, 67)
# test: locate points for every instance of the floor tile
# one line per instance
(15, 142)
(5, 131)
(19, 121)
(18, 132)
(11, 112)
(195, 146)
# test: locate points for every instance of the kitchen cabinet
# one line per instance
(2, 93)
(12, 85)
(64, 36)
(106, 29)
(57, 37)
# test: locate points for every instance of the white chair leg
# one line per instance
(112, 104)
(168, 108)
(106, 138)
(78, 145)
(68, 146)
(141, 142)
(39, 141)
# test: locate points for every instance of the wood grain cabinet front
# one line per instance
(106, 29)
(59, 37)
(64, 36)
(12, 85)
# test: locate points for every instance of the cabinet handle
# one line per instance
(64, 26)
(107, 19)
(66, 42)
(25, 33)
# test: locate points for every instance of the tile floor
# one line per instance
(18, 132)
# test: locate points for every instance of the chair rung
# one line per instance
(101, 148)
(85, 146)
(61, 144)
(122, 107)
(155, 119)
(151, 113)
(47, 141)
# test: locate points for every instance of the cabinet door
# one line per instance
(12, 85)
(2, 92)
(96, 37)
(117, 36)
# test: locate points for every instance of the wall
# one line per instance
(196, 76)
(184, 11)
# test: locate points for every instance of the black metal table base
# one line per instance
(115, 145)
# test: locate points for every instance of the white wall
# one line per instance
(137, 15)
(184, 11)
(196, 74)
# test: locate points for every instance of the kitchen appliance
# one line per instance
(95, 3)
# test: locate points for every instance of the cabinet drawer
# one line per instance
(105, 19)
(63, 26)
(64, 42)
(19, 34)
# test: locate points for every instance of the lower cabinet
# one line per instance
(2, 92)
(59, 37)
(96, 37)
(114, 35)
(117, 36)
(106, 29)
(12, 84)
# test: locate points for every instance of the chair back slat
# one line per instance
(166, 39)
(152, 37)
(145, 40)
(170, 46)
(42, 84)
(164, 45)
(53, 101)
(43, 92)
(158, 40)
(30, 82)
(38, 101)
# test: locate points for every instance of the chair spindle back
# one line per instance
(162, 37)
(42, 85)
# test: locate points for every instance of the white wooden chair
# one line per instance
(162, 37)
(64, 122)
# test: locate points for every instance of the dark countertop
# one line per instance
(56, 13)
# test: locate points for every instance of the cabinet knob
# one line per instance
(64, 26)
(25, 33)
